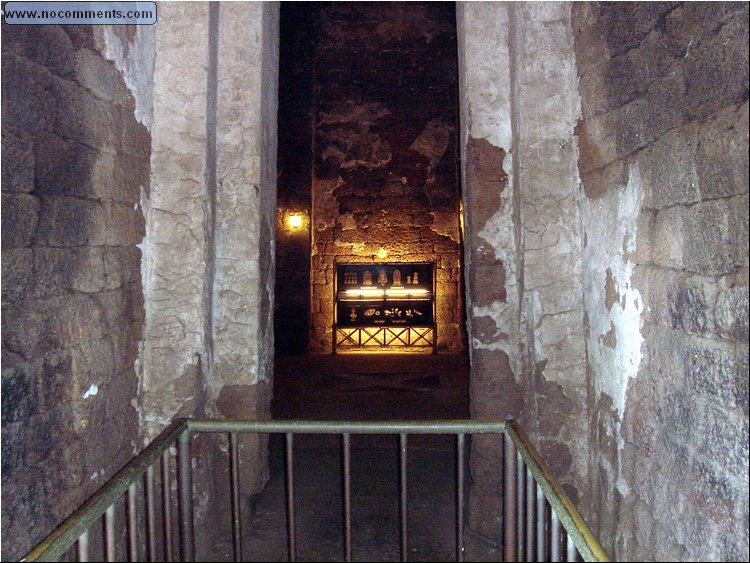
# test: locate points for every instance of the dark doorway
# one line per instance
(368, 174)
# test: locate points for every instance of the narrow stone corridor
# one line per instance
(365, 387)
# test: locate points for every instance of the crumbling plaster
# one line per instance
(520, 105)
(132, 50)
(176, 246)
(663, 161)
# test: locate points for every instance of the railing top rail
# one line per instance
(585, 540)
(57, 543)
(347, 427)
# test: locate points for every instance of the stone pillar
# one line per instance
(524, 303)
(547, 106)
(176, 246)
(242, 325)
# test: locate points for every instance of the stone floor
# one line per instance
(372, 387)
(366, 387)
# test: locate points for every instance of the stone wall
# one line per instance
(385, 184)
(519, 108)
(75, 162)
(103, 345)
(664, 164)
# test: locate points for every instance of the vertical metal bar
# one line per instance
(530, 522)
(403, 498)
(460, 547)
(132, 524)
(109, 534)
(572, 552)
(83, 547)
(521, 507)
(150, 515)
(234, 469)
(185, 482)
(555, 540)
(291, 521)
(541, 525)
(509, 500)
(347, 497)
(166, 505)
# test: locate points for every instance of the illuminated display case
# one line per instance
(385, 306)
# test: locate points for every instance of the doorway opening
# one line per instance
(369, 242)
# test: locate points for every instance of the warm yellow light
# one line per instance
(295, 220)
(415, 292)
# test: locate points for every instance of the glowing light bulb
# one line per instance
(295, 220)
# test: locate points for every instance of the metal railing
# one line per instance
(540, 522)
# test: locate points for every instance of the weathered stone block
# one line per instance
(101, 78)
(125, 339)
(60, 269)
(134, 138)
(14, 456)
(721, 249)
(626, 26)
(716, 78)
(622, 79)
(732, 313)
(690, 22)
(20, 219)
(83, 117)
(28, 103)
(18, 160)
(63, 167)
(19, 397)
(122, 266)
(126, 225)
(668, 238)
(131, 175)
(722, 155)
(612, 177)
(71, 221)
(51, 324)
(710, 369)
(668, 168)
(724, 438)
(48, 46)
(18, 273)
(690, 304)
(81, 36)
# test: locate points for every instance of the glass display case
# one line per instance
(384, 307)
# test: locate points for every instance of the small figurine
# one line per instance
(415, 278)
(382, 278)
(353, 315)
(397, 277)
(408, 280)
(367, 278)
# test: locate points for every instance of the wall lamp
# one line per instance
(294, 221)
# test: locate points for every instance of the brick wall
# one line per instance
(74, 163)
(664, 164)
